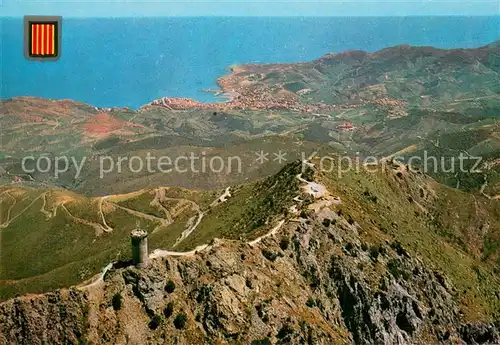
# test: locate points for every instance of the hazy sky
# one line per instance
(129, 8)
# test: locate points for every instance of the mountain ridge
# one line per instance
(364, 292)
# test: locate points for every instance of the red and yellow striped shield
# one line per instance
(43, 39)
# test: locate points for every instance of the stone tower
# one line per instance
(139, 247)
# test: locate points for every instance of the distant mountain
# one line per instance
(404, 73)
(495, 44)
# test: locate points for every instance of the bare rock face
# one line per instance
(308, 284)
(479, 334)
(54, 318)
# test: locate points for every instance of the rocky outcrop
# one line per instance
(479, 334)
(53, 318)
(314, 282)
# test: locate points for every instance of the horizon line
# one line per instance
(268, 16)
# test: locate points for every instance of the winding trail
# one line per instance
(157, 202)
(7, 223)
(159, 253)
(316, 189)
(43, 210)
(163, 221)
(190, 229)
(181, 206)
(483, 188)
(97, 227)
(270, 233)
(106, 227)
(99, 279)
(221, 199)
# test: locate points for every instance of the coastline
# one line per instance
(244, 88)
(267, 87)
(264, 86)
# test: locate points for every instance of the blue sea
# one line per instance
(131, 61)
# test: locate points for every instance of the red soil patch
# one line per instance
(102, 124)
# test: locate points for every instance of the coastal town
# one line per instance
(256, 101)
(243, 92)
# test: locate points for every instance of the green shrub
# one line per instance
(284, 243)
(285, 331)
(319, 304)
(155, 322)
(180, 320)
(311, 303)
(170, 286)
(398, 247)
(271, 256)
(374, 252)
(248, 283)
(117, 301)
(264, 341)
(169, 310)
(326, 222)
(394, 269)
